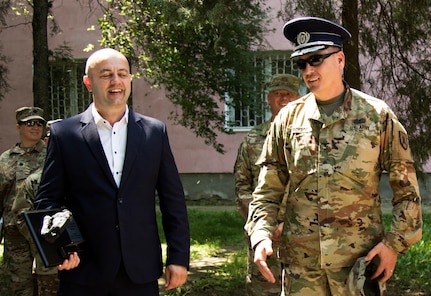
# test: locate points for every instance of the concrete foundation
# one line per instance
(219, 188)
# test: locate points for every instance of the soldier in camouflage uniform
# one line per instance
(16, 164)
(283, 88)
(332, 146)
(47, 278)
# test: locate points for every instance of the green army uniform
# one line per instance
(47, 278)
(334, 165)
(16, 165)
(246, 176)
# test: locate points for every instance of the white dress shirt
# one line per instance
(113, 139)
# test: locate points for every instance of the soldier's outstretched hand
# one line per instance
(261, 252)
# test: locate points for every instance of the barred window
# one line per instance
(69, 96)
(245, 116)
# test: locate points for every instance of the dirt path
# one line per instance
(200, 267)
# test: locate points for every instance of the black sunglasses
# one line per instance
(32, 123)
(314, 60)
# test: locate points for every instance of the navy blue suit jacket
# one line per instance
(118, 223)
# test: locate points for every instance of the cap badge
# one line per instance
(303, 37)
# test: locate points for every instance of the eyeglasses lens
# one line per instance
(33, 123)
(313, 61)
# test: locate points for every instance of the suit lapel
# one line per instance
(91, 136)
(135, 138)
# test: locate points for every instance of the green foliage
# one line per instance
(403, 77)
(198, 51)
(413, 271)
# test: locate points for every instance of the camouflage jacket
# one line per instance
(25, 195)
(16, 164)
(333, 210)
(246, 171)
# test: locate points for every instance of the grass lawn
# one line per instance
(219, 234)
(217, 231)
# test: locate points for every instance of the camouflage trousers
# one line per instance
(18, 262)
(321, 282)
(256, 284)
(18, 259)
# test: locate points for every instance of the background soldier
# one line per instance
(16, 164)
(283, 88)
(47, 279)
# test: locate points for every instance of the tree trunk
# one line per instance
(40, 56)
(352, 73)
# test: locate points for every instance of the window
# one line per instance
(69, 96)
(245, 116)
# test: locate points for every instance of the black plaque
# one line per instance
(54, 253)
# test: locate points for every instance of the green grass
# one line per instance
(221, 234)
(211, 231)
(216, 234)
(413, 270)
(217, 230)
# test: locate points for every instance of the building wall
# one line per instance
(205, 172)
(191, 153)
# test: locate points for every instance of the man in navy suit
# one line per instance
(106, 165)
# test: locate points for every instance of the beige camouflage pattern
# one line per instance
(24, 201)
(18, 263)
(284, 81)
(16, 164)
(246, 176)
(334, 164)
(359, 281)
(323, 282)
(28, 113)
(245, 171)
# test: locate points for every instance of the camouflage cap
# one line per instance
(26, 113)
(359, 280)
(284, 81)
(48, 125)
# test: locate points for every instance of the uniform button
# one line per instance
(117, 227)
(120, 200)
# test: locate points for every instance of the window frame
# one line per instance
(257, 111)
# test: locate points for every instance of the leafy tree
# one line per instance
(4, 60)
(198, 51)
(392, 38)
(39, 14)
(41, 54)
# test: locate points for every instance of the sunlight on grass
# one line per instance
(210, 232)
(413, 270)
(214, 232)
